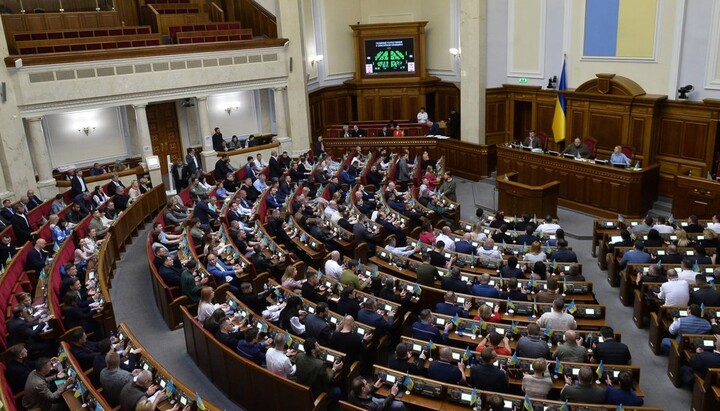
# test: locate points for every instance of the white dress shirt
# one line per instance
(333, 269)
(422, 117)
(278, 363)
(664, 228)
(688, 275)
(449, 242)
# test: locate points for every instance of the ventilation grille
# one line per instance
(84, 73)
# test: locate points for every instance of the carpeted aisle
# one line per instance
(134, 305)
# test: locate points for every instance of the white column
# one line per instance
(41, 158)
(143, 131)
(472, 70)
(280, 111)
(288, 14)
(208, 155)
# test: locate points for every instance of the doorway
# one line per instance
(164, 132)
(522, 122)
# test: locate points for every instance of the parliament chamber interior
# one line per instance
(360, 205)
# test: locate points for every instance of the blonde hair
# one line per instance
(682, 238)
(535, 248)
(206, 294)
(290, 272)
(709, 234)
(485, 312)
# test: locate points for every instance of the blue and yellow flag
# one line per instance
(600, 370)
(170, 388)
(534, 220)
(548, 249)
(510, 304)
(671, 219)
(514, 328)
(408, 382)
(473, 328)
(565, 406)
(527, 405)
(430, 346)
(288, 339)
(572, 307)
(473, 397)
(548, 331)
(620, 408)
(559, 368)
(514, 360)
(524, 248)
(702, 309)
(565, 284)
(62, 355)
(79, 390)
(558, 124)
(621, 219)
(553, 264)
(264, 328)
(504, 246)
(456, 320)
(417, 289)
(467, 354)
(199, 402)
(696, 267)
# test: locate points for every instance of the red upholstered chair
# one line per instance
(543, 140)
(591, 144)
(628, 151)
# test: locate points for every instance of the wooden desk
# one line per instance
(516, 198)
(695, 195)
(584, 186)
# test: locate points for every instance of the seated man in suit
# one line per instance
(369, 315)
(577, 149)
(222, 271)
(21, 225)
(449, 307)
(442, 369)
(532, 140)
(434, 129)
(485, 376)
(37, 257)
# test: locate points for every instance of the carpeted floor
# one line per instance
(135, 305)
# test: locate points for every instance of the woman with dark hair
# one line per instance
(426, 235)
(539, 271)
(293, 309)
(75, 316)
(654, 239)
(99, 196)
(499, 220)
(701, 256)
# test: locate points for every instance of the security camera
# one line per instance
(683, 91)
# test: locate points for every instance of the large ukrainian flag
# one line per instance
(620, 28)
(558, 124)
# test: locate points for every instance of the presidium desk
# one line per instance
(592, 188)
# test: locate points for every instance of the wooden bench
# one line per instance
(661, 320)
(174, 30)
(87, 43)
(240, 379)
(209, 36)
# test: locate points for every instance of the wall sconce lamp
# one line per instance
(316, 59)
(229, 110)
(87, 130)
(455, 52)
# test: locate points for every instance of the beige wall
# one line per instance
(308, 26)
(526, 38)
(338, 15)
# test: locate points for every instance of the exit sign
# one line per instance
(522, 80)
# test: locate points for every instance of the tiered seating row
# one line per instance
(210, 36)
(87, 44)
(174, 30)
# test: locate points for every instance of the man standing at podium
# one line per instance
(532, 140)
(577, 149)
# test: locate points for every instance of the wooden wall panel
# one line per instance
(606, 128)
(670, 137)
(694, 140)
(636, 139)
(544, 119)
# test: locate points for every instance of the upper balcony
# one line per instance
(92, 58)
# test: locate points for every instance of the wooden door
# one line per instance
(164, 132)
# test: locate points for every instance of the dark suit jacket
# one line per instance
(434, 130)
(35, 260)
(181, 176)
(77, 186)
(487, 377)
(536, 143)
(190, 160)
(707, 295)
(319, 148)
(22, 229)
(203, 212)
(309, 292)
(275, 168)
(221, 170)
(34, 202)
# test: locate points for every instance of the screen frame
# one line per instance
(364, 52)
